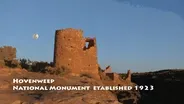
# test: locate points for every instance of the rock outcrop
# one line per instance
(128, 77)
(108, 69)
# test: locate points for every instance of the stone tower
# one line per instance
(75, 53)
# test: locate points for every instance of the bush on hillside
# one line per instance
(57, 71)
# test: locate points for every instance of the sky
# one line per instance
(141, 36)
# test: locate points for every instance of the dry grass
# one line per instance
(86, 75)
(57, 71)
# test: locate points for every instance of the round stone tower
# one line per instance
(70, 52)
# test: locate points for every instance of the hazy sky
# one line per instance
(141, 37)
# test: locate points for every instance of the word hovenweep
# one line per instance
(19, 81)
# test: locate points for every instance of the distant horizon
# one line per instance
(142, 36)
(125, 71)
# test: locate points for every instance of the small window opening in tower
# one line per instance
(86, 44)
(89, 43)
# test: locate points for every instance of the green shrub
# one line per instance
(123, 76)
(12, 63)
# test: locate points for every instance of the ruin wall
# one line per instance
(7, 53)
(71, 52)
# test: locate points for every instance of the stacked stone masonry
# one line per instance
(72, 53)
(7, 53)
